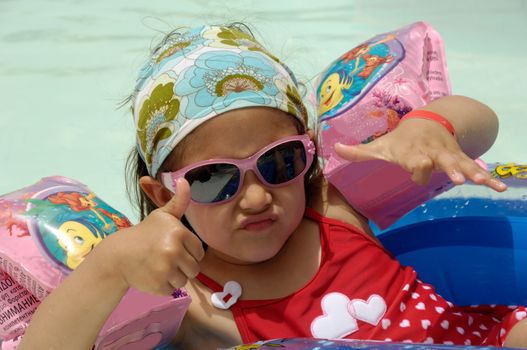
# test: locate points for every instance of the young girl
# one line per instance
(224, 155)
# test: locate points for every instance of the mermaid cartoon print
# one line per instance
(353, 71)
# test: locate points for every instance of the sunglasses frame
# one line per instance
(169, 179)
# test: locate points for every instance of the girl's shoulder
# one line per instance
(327, 201)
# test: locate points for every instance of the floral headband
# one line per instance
(200, 74)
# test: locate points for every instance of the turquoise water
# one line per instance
(65, 65)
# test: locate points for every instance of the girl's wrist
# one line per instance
(432, 116)
(103, 262)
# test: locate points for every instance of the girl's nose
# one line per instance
(254, 195)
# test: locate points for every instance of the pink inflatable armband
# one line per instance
(46, 231)
(362, 96)
(17, 305)
(143, 321)
(48, 228)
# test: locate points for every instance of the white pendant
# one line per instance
(228, 297)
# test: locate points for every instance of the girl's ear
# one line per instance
(158, 193)
(312, 135)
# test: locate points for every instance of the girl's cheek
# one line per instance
(205, 219)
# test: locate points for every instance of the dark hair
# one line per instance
(135, 169)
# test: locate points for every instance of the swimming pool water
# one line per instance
(66, 64)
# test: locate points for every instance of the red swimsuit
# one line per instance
(362, 292)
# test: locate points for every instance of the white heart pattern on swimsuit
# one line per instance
(340, 315)
(228, 297)
(370, 311)
(336, 322)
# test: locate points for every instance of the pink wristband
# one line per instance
(422, 114)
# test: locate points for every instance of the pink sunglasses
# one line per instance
(219, 180)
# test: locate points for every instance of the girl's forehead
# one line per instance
(254, 120)
(236, 134)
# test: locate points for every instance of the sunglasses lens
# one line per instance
(213, 182)
(218, 182)
(283, 163)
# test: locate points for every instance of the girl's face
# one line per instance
(254, 225)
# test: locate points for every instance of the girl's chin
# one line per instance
(248, 257)
(251, 260)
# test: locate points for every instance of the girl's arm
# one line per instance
(421, 146)
(475, 123)
(72, 316)
(157, 256)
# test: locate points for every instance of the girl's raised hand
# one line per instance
(159, 254)
(421, 146)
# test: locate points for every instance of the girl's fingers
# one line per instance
(178, 279)
(447, 162)
(421, 168)
(495, 184)
(461, 167)
(481, 176)
(360, 152)
(473, 171)
(194, 246)
(188, 265)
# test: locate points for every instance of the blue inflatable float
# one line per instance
(471, 243)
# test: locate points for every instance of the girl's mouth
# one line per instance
(259, 222)
(258, 225)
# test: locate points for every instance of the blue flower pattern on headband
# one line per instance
(172, 52)
(212, 70)
(221, 78)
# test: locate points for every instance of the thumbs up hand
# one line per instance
(160, 253)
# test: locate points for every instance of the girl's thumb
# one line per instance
(179, 202)
(357, 153)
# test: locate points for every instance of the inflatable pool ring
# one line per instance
(334, 344)
(46, 231)
(470, 243)
(362, 96)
